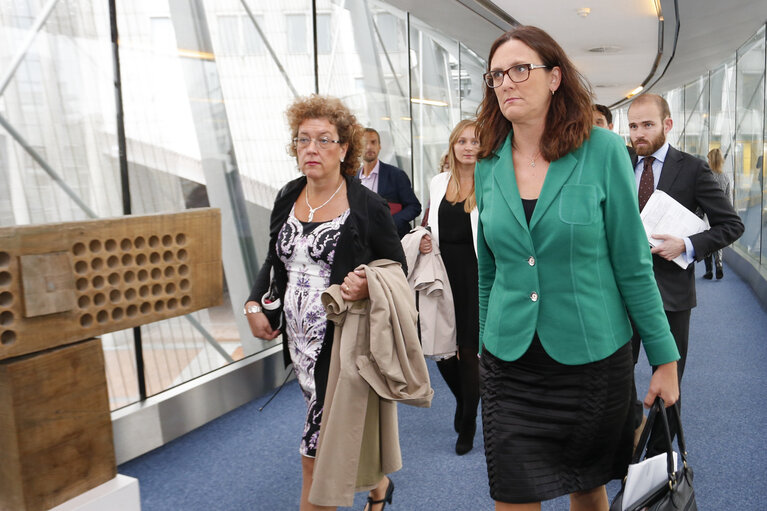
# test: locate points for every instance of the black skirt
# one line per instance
(552, 429)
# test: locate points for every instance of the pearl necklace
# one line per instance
(314, 210)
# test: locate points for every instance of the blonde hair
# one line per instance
(716, 160)
(337, 114)
(471, 199)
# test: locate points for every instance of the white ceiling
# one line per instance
(710, 33)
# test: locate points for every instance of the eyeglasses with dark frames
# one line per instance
(322, 142)
(517, 73)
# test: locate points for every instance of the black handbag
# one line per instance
(675, 494)
(271, 304)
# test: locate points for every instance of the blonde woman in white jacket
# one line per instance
(453, 222)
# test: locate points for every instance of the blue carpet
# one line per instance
(248, 460)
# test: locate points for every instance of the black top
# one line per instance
(368, 234)
(456, 244)
(529, 207)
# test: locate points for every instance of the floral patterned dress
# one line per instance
(307, 250)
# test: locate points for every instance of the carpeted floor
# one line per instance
(248, 460)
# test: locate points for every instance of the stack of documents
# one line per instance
(664, 215)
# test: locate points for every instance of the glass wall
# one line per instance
(749, 136)
(696, 108)
(205, 85)
(725, 109)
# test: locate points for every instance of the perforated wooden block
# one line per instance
(127, 271)
(55, 427)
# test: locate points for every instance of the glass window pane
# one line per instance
(389, 30)
(722, 116)
(749, 142)
(435, 101)
(470, 82)
(296, 33)
(253, 44)
(696, 118)
(228, 34)
(324, 35)
(163, 36)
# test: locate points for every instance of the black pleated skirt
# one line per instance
(552, 429)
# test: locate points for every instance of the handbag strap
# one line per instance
(667, 434)
(658, 412)
(645, 436)
(679, 433)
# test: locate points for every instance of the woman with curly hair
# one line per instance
(323, 225)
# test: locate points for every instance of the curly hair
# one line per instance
(337, 114)
(569, 119)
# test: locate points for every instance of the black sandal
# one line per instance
(386, 500)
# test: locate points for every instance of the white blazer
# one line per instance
(437, 191)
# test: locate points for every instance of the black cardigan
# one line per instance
(368, 234)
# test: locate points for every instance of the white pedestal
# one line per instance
(119, 494)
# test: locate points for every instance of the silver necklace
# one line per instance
(531, 163)
(314, 210)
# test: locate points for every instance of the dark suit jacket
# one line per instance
(394, 186)
(368, 234)
(689, 181)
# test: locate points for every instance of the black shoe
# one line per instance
(708, 275)
(465, 442)
(386, 500)
(719, 272)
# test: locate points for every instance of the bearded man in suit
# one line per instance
(688, 180)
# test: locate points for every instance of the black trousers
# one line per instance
(679, 322)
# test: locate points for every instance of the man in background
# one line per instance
(389, 182)
(689, 181)
(603, 117)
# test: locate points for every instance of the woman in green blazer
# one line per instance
(562, 255)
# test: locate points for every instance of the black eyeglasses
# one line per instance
(517, 73)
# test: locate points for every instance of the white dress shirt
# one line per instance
(371, 180)
(657, 167)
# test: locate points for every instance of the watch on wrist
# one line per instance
(252, 309)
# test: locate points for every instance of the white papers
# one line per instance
(663, 215)
(643, 477)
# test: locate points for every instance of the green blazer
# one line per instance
(572, 273)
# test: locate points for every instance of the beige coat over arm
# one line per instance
(376, 360)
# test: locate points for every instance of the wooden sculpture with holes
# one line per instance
(61, 285)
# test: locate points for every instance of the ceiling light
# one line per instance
(583, 12)
(635, 92)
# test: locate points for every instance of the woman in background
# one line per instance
(453, 223)
(716, 162)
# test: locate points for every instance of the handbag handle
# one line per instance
(659, 410)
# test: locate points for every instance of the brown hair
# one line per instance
(569, 119)
(716, 160)
(337, 114)
(662, 104)
(604, 111)
(471, 200)
(371, 130)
